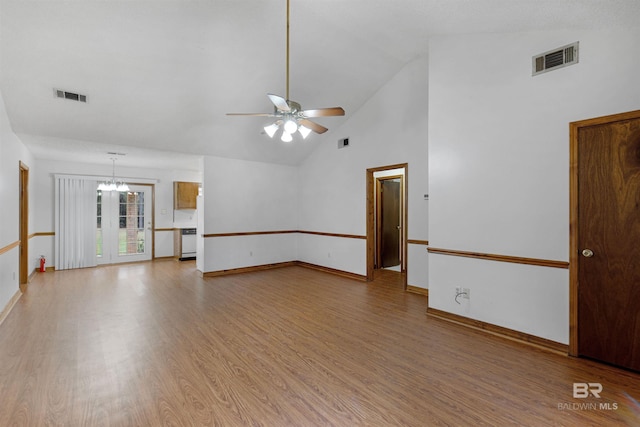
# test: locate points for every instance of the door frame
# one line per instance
(574, 259)
(23, 256)
(371, 212)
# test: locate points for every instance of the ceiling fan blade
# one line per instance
(313, 126)
(280, 103)
(324, 112)
(253, 114)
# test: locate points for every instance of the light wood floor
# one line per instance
(154, 344)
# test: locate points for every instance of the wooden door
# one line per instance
(390, 226)
(606, 158)
(24, 227)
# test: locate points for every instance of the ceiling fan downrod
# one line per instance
(287, 64)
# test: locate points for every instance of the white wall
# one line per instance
(499, 165)
(345, 254)
(242, 196)
(43, 189)
(12, 151)
(391, 128)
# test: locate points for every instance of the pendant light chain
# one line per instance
(112, 184)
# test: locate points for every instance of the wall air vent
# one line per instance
(555, 59)
(69, 95)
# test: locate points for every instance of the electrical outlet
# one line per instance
(328, 254)
(250, 253)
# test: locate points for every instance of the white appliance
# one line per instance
(189, 236)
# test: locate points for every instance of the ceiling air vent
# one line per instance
(69, 95)
(555, 59)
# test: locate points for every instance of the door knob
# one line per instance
(587, 253)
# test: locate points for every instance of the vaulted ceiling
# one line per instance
(159, 76)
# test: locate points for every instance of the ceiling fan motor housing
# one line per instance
(295, 107)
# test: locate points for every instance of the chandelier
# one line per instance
(112, 184)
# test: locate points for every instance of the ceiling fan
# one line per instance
(289, 114)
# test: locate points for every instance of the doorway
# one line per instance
(387, 219)
(605, 228)
(124, 225)
(23, 267)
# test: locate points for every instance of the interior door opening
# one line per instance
(387, 219)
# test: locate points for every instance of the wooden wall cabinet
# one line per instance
(184, 194)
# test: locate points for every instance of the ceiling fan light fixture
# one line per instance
(271, 129)
(290, 126)
(304, 131)
(286, 136)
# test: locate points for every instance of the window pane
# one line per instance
(131, 237)
(131, 241)
(99, 224)
(99, 242)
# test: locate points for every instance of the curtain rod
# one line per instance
(130, 180)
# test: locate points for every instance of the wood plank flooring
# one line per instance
(154, 344)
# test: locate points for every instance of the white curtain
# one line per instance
(76, 222)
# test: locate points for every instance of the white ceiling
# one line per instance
(160, 75)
